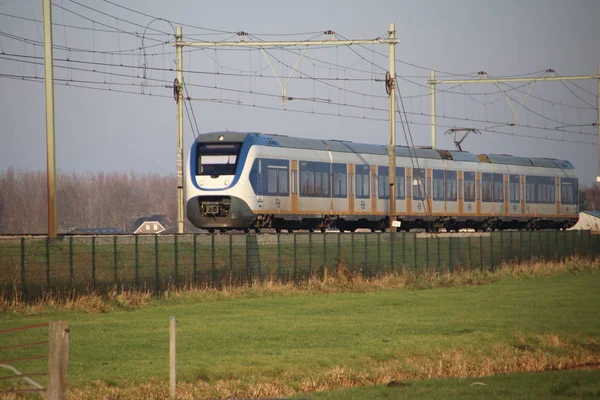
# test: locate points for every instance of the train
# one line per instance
(252, 181)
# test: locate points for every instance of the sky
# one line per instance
(114, 68)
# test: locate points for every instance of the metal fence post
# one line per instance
(156, 266)
(470, 253)
(279, 256)
(71, 272)
(415, 251)
(439, 263)
(352, 249)
(48, 262)
(392, 237)
(295, 259)
(481, 252)
(510, 239)
(378, 252)
(324, 250)
(176, 256)
(450, 263)
(521, 246)
(403, 251)
(366, 268)
(310, 270)
(195, 250)
(230, 255)
(115, 260)
(426, 253)
(212, 260)
(339, 247)
(137, 262)
(491, 251)
(23, 270)
(94, 262)
(501, 247)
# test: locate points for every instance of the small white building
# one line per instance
(588, 220)
(150, 227)
(151, 224)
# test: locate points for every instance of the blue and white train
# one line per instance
(250, 181)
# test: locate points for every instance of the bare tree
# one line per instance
(99, 200)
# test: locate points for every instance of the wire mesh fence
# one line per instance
(30, 266)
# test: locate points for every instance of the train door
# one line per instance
(522, 195)
(373, 189)
(468, 203)
(351, 188)
(506, 189)
(514, 194)
(259, 183)
(478, 192)
(294, 186)
(409, 184)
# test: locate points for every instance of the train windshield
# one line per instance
(217, 158)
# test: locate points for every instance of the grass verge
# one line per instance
(274, 340)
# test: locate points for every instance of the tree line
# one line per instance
(83, 200)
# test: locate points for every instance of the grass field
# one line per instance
(282, 341)
(539, 385)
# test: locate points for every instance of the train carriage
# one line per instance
(246, 181)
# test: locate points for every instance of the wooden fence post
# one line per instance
(58, 360)
(173, 359)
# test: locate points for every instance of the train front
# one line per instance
(215, 187)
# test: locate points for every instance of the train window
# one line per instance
(277, 180)
(339, 180)
(383, 183)
(383, 186)
(544, 189)
(418, 184)
(569, 191)
(438, 185)
(217, 159)
(314, 179)
(487, 187)
(514, 190)
(451, 187)
(530, 189)
(362, 181)
(498, 187)
(469, 184)
(270, 176)
(272, 181)
(400, 184)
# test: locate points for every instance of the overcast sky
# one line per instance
(340, 95)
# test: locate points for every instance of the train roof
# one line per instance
(364, 148)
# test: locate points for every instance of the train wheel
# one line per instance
(211, 231)
(372, 230)
(256, 230)
(246, 230)
(323, 230)
(223, 230)
(277, 230)
(290, 230)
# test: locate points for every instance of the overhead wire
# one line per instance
(272, 95)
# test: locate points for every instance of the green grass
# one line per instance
(317, 341)
(545, 385)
